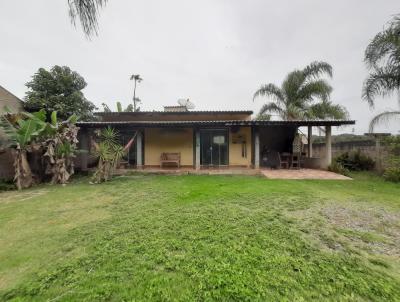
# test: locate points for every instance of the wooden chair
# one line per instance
(284, 160)
(168, 158)
(295, 162)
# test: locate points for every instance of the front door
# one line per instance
(213, 147)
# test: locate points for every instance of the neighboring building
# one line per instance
(204, 139)
(6, 159)
(11, 101)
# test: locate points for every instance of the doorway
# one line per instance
(214, 147)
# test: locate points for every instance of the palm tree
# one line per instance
(137, 79)
(382, 57)
(296, 97)
(87, 13)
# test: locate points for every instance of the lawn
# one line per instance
(202, 238)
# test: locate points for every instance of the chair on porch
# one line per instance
(284, 160)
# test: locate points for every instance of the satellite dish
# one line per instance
(186, 103)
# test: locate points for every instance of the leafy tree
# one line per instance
(59, 89)
(382, 57)
(87, 13)
(296, 98)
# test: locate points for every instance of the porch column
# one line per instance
(309, 151)
(256, 150)
(84, 141)
(139, 153)
(328, 144)
(197, 153)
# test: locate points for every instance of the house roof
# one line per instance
(177, 112)
(223, 123)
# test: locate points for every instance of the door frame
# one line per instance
(226, 130)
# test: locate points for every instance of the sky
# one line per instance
(217, 53)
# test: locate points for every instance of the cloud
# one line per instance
(215, 52)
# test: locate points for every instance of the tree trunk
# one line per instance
(23, 174)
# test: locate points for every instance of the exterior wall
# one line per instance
(236, 141)
(171, 116)
(9, 100)
(159, 140)
(6, 165)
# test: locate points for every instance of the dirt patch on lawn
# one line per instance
(348, 226)
(375, 229)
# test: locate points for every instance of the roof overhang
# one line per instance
(224, 123)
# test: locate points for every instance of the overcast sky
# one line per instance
(215, 52)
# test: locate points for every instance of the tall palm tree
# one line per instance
(87, 12)
(137, 79)
(382, 57)
(296, 98)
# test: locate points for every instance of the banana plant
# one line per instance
(22, 132)
(60, 146)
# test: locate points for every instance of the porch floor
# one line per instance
(302, 174)
(185, 170)
(268, 173)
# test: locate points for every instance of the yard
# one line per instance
(185, 238)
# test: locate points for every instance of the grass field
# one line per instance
(202, 238)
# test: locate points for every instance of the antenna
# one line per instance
(186, 103)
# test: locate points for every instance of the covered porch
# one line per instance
(212, 145)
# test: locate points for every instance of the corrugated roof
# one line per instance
(298, 123)
(178, 112)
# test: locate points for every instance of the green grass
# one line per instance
(202, 238)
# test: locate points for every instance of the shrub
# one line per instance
(392, 172)
(355, 161)
(338, 168)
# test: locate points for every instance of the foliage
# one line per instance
(337, 167)
(109, 152)
(296, 98)
(355, 161)
(59, 89)
(382, 57)
(60, 148)
(22, 131)
(6, 185)
(200, 238)
(87, 13)
(137, 79)
(392, 171)
(128, 108)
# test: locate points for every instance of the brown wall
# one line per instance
(160, 116)
(9, 100)
(6, 165)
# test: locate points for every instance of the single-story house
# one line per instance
(205, 139)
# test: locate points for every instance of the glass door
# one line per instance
(213, 147)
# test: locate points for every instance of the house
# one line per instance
(205, 139)
(9, 100)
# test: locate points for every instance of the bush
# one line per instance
(338, 168)
(6, 185)
(392, 172)
(355, 161)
